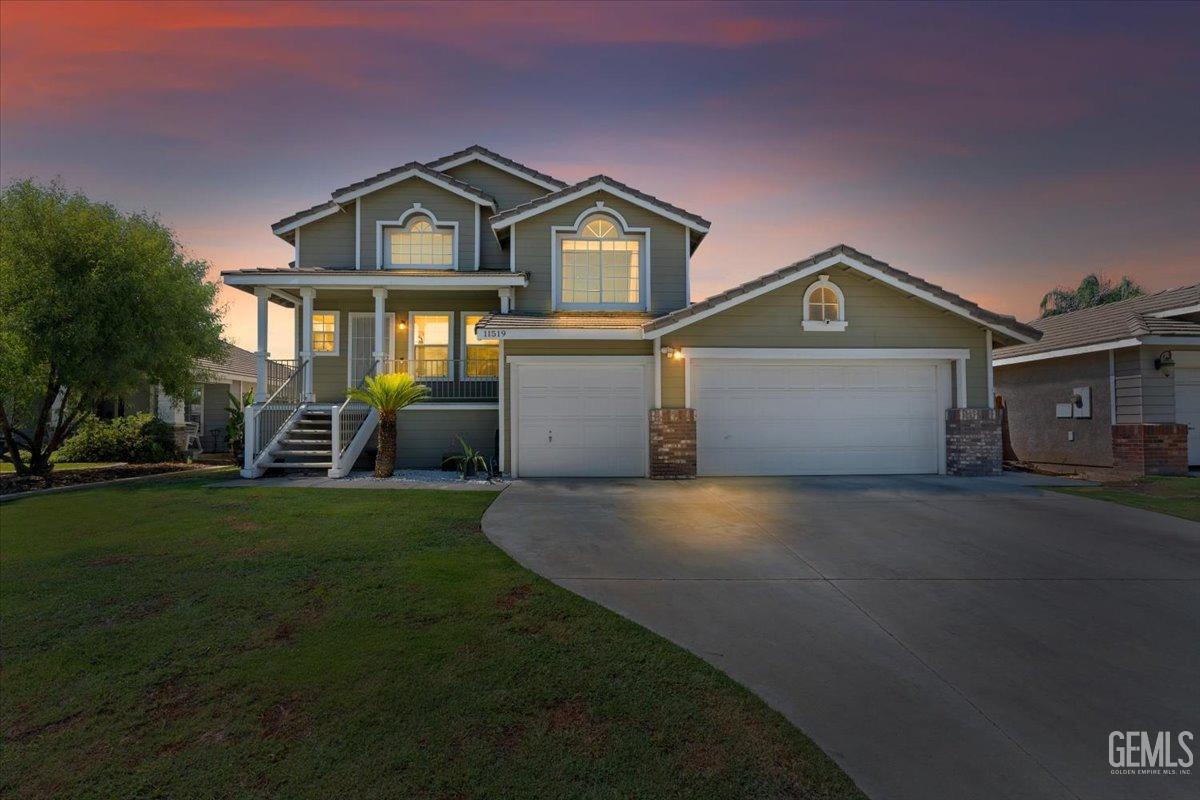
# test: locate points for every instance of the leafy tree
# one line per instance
(388, 394)
(94, 303)
(1093, 290)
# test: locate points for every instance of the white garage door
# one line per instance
(1187, 407)
(581, 421)
(805, 418)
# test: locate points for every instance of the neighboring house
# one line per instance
(208, 408)
(1111, 389)
(553, 324)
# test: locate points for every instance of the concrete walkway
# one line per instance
(938, 637)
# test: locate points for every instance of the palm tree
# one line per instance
(1093, 290)
(388, 394)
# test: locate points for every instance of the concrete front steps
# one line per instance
(307, 444)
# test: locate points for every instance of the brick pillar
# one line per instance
(974, 444)
(672, 443)
(1155, 449)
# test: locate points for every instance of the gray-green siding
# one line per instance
(509, 191)
(423, 437)
(328, 242)
(390, 203)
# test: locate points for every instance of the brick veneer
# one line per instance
(974, 444)
(1155, 449)
(672, 443)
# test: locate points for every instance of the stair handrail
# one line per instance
(261, 439)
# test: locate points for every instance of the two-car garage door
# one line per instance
(808, 418)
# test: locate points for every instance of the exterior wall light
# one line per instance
(1164, 362)
(673, 353)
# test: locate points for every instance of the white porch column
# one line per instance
(380, 353)
(264, 296)
(305, 355)
(960, 379)
(506, 299)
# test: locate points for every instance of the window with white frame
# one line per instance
(430, 344)
(325, 333)
(824, 306)
(600, 266)
(419, 243)
(481, 357)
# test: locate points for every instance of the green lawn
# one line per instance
(1179, 497)
(170, 639)
(7, 466)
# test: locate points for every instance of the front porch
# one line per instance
(367, 324)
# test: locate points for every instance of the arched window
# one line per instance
(420, 244)
(824, 306)
(601, 265)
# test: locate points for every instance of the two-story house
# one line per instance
(554, 326)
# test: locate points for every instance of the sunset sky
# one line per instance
(994, 149)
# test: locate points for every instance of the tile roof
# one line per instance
(1112, 322)
(415, 166)
(449, 274)
(476, 149)
(560, 320)
(974, 310)
(237, 362)
(553, 197)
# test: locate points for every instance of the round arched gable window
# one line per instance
(824, 306)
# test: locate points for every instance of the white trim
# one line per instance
(1112, 385)
(1067, 351)
(828, 326)
(627, 233)
(403, 176)
(646, 362)
(412, 331)
(1177, 312)
(358, 233)
(337, 332)
(296, 249)
(417, 209)
(991, 378)
(452, 407)
(502, 399)
(350, 315)
(960, 382)
(313, 217)
(658, 373)
(462, 345)
(601, 186)
(560, 333)
(512, 250)
(825, 264)
(581, 360)
(476, 238)
(687, 382)
(458, 162)
(687, 266)
(830, 353)
(366, 279)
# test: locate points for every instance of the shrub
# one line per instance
(141, 438)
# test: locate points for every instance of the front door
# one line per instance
(362, 343)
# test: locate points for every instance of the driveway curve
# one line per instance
(938, 637)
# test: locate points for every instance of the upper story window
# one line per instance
(824, 306)
(419, 243)
(601, 266)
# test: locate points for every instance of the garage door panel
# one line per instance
(796, 418)
(1187, 407)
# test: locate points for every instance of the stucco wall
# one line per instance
(1030, 392)
(877, 316)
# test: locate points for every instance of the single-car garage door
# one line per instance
(1187, 407)
(581, 421)
(818, 418)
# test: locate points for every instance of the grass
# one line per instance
(1179, 497)
(172, 639)
(7, 466)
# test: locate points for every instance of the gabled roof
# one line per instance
(480, 153)
(599, 183)
(412, 169)
(237, 363)
(848, 256)
(1111, 325)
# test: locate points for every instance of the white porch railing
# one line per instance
(265, 421)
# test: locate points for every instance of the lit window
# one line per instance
(430, 345)
(420, 244)
(824, 307)
(600, 267)
(325, 333)
(481, 358)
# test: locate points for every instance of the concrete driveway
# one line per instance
(938, 637)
